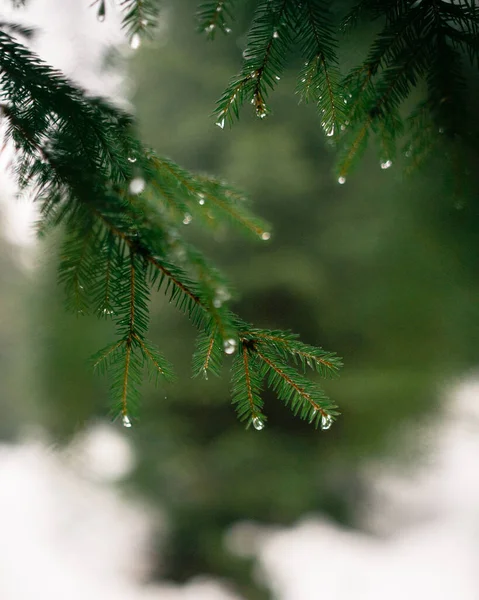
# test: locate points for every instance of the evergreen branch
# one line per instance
(393, 88)
(213, 15)
(320, 78)
(104, 357)
(268, 42)
(422, 133)
(194, 190)
(288, 345)
(77, 265)
(126, 377)
(104, 293)
(17, 28)
(208, 355)
(154, 359)
(246, 387)
(305, 398)
(46, 107)
(139, 17)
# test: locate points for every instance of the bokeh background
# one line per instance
(188, 504)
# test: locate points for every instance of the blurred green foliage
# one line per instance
(382, 270)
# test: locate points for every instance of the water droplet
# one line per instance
(210, 28)
(219, 8)
(144, 22)
(408, 154)
(229, 346)
(441, 129)
(126, 421)
(205, 374)
(187, 219)
(137, 185)
(135, 42)
(258, 424)
(227, 30)
(221, 123)
(386, 164)
(276, 35)
(201, 200)
(330, 132)
(326, 422)
(265, 235)
(100, 17)
(108, 311)
(341, 180)
(132, 159)
(277, 77)
(221, 295)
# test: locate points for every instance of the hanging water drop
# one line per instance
(276, 35)
(341, 180)
(258, 424)
(326, 421)
(135, 42)
(227, 30)
(101, 12)
(126, 421)
(187, 219)
(277, 77)
(132, 159)
(210, 28)
(144, 22)
(219, 8)
(386, 164)
(330, 132)
(221, 123)
(205, 374)
(201, 200)
(229, 346)
(137, 185)
(265, 236)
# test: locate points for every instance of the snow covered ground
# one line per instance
(69, 531)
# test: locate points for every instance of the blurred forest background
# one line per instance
(382, 270)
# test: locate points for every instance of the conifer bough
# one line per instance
(122, 209)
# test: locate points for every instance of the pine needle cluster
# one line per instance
(422, 47)
(123, 209)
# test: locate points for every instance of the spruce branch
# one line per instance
(268, 43)
(122, 208)
(246, 385)
(320, 79)
(140, 17)
(215, 15)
